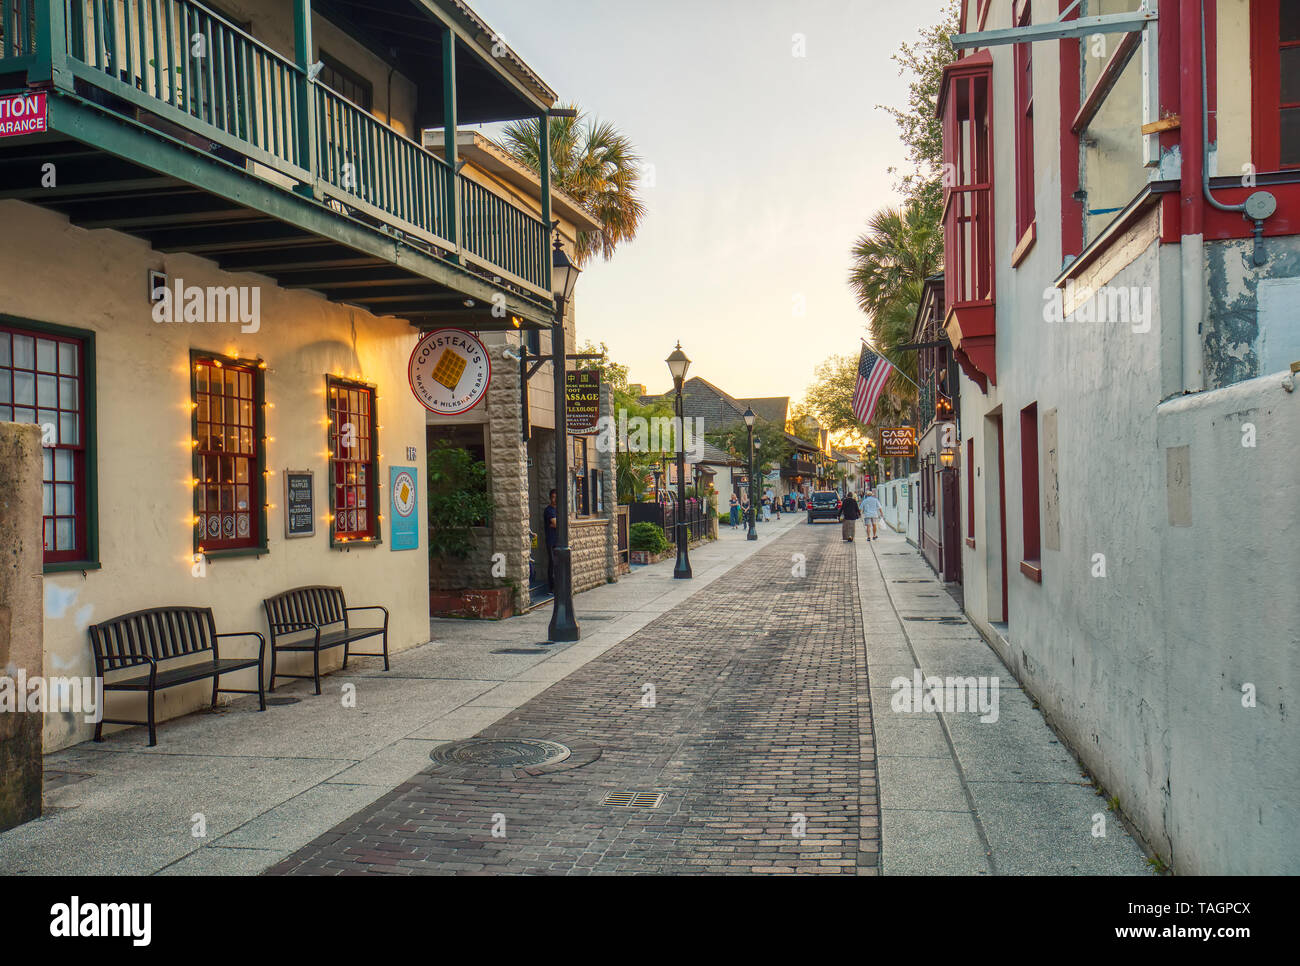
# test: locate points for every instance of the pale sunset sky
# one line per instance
(766, 166)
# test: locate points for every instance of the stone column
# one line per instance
(608, 482)
(22, 618)
(508, 472)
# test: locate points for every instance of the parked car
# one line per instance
(824, 505)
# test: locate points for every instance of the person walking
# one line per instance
(776, 506)
(735, 511)
(871, 512)
(849, 514)
(551, 527)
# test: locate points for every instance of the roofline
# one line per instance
(475, 31)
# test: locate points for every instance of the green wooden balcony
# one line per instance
(169, 88)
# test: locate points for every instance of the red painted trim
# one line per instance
(1002, 511)
(1211, 64)
(1071, 210)
(1023, 84)
(1266, 94)
(1191, 127)
(1033, 570)
(1168, 32)
(970, 491)
(1029, 482)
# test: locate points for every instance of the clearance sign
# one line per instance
(22, 114)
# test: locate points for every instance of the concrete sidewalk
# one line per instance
(235, 791)
(958, 795)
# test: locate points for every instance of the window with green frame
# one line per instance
(47, 377)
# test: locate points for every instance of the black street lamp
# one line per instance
(677, 365)
(749, 422)
(564, 625)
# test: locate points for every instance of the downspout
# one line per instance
(1192, 242)
(1261, 204)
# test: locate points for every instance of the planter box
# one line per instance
(497, 603)
(646, 557)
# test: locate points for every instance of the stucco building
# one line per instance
(1120, 257)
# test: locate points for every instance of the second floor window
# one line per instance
(354, 460)
(342, 80)
(1275, 58)
(1024, 121)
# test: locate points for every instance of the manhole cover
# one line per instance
(500, 752)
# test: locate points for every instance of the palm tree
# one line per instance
(596, 165)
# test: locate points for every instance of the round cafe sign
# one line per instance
(449, 371)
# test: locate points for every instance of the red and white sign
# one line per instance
(23, 114)
(449, 371)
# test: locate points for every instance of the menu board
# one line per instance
(299, 504)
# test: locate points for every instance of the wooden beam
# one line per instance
(1110, 75)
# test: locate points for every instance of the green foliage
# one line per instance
(458, 500)
(648, 537)
(918, 128)
(593, 163)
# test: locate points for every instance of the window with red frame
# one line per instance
(1024, 64)
(41, 382)
(354, 460)
(967, 117)
(1029, 482)
(1275, 57)
(970, 488)
(228, 453)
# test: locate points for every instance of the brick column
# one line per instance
(508, 472)
(21, 617)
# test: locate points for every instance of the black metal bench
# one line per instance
(324, 612)
(154, 637)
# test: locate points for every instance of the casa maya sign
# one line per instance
(449, 371)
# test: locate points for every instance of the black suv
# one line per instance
(824, 505)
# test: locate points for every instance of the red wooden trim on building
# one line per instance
(1071, 209)
(1031, 536)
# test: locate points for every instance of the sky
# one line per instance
(763, 167)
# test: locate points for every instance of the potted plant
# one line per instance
(647, 543)
(459, 513)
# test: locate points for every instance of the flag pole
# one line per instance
(891, 362)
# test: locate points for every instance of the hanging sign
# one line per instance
(299, 505)
(404, 516)
(582, 401)
(898, 441)
(449, 371)
(23, 114)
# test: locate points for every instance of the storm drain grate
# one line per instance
(912, 580)
(634, 799)
(284, 700)
(520, 650)
(940, 619)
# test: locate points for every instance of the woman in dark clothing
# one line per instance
(849, 514)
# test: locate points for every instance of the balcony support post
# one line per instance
(304, 50)
(456, 231)
(51, 53)
(544, 171)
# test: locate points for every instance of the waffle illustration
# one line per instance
(450, 367)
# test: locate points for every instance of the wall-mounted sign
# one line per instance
(449, 371)
(582, 401)
(23, 114)
(299, 504)
(898, 441)
(404, 508)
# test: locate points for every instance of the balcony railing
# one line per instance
(230, 94)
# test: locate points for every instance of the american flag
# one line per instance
(873, 371)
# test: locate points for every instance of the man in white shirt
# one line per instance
(871, 512)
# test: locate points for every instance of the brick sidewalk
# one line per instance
(761, 717)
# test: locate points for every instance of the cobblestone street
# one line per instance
(759, 739)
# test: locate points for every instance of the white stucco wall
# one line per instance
(97, 280)
(906, 515)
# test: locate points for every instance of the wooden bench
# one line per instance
(156, 637)
(324, 612)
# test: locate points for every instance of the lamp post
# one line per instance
(749, 423)
(564, 625)
(677, 365)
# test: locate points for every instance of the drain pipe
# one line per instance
(1261, 204)
(1192, 242)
